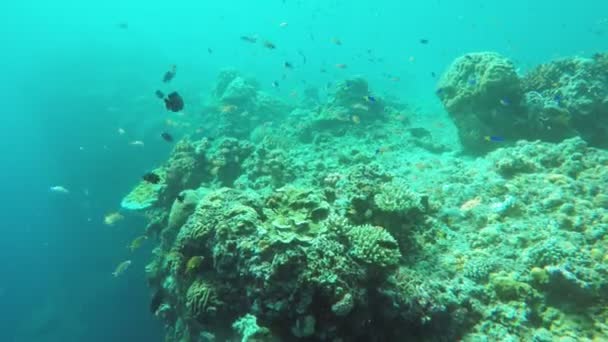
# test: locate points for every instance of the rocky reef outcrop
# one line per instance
(486, 97)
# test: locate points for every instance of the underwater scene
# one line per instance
(290, 170)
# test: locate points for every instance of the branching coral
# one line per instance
(374, 246)
(397, 197)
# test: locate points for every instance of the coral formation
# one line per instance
(337, 237)
(554, 101)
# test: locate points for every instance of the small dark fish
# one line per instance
(123, 26)
(472, 82)
(419, 132)
(174, 102)
(433, 74)
(439, 91)
(151, 177)
(209, 50)
(275, 84)
(288, 65)
(493, 138)
(170, 74)
(156, 301)
(167, 137)
(249, 39)
(370, 98)
(303, 56)
(468, 57)
(269, 45)
(424, 41)
(159, 94)
(558, 99)
(323, 70)
(180, 198)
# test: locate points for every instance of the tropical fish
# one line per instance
(59, 189)
(170, 74)
(369, 98)
(228, 108)
(382, 149)
(471, 204)
(137, 242)
(159, 94)
(493, 138)
(151, 177)
(249, 39)
(341, 66)
(336, 41)
(137, 143)
(283, 24)
(194, 263)
(269, 45)
(288, 65)
(356, 119)
(505, 101)
(174, 102)
(423, 41)
(112, 218)
(166, 137)
(121, 268)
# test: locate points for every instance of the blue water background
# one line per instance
(71, 77)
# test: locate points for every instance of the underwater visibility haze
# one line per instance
(291, 170)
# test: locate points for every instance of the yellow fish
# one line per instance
(137, 242)
(194, 263)
(112, 218)
(121, 268)
(228, 108)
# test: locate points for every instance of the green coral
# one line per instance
(374, 246)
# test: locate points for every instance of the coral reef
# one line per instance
(366, 235)
(569, 97)
(481, 92)
(242, 106)
(554, 101)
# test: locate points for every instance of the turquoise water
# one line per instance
(72, 77)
